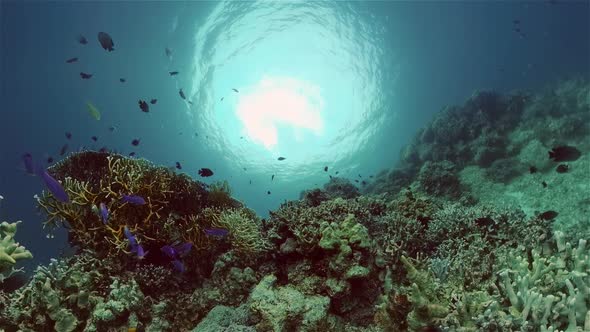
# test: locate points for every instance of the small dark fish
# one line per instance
(28, 162)
(221, 232)
(484, 222)
(235, 90)
(369, 175)
(168, 52)
(281, 158)
(516, 21)
(63, 150)
(517, 29)
(112, 128)
(544, 184)
(173, 73)
(82, 40)
(71, 60)
(94, 138)
(221, 99)
(104, 213)
(68, 135)
(122, 80)
(54, 186)
(178, 166)
(564, 153)
(548, 215)
(336, 172)
(133, 199)
(205, 172)
(356, 180)
(325, 168)
(190, 102)
(135, 142)
(272, 177)
(85, 76)
(244, 168)
(250, 181)
(181, 93)
(103, 149)
(360, 176)
(153, 101)
(331, 177)
(49, 160)
(533, 170)
(143, 106)
(364, 183)
(562, 168)
(131, 154)
(106, 41)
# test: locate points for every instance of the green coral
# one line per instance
(547, 292)
(10, 250)
(286, 309)
(345, 237)
(428, 306)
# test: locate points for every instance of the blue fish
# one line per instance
(221, 232)
(169, 251)
(178, 266)
(183, 249)
(133, 199)
(177, 251)
(54, 186)
(104, 213)
(140, 252)
(131, 238)
(28, 161)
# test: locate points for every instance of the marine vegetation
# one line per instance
(461, 235)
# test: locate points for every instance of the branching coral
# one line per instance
(546, 292)
(244, 231)
(10, 250)
(92, 178)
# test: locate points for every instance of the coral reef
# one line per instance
(461, 236)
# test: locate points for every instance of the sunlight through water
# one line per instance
(305, 81)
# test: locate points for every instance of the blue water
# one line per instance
(338, 84)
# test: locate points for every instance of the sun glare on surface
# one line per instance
(280, 102)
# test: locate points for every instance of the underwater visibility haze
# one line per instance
(295, 166)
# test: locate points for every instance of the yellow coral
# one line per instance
(244, 230)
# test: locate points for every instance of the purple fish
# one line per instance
(54, 186)
(169, 251)
(140, 252)
(28, 161)
(133, 199)
(221, 232)
(104, 213)
(183, 249)
(131, 238)
(178, 266)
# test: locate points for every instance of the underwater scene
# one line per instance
(295, 166)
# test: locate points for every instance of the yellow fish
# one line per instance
(93, 111)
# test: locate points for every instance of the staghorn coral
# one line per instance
(10, 250)
(547, 292)
(91, 178)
